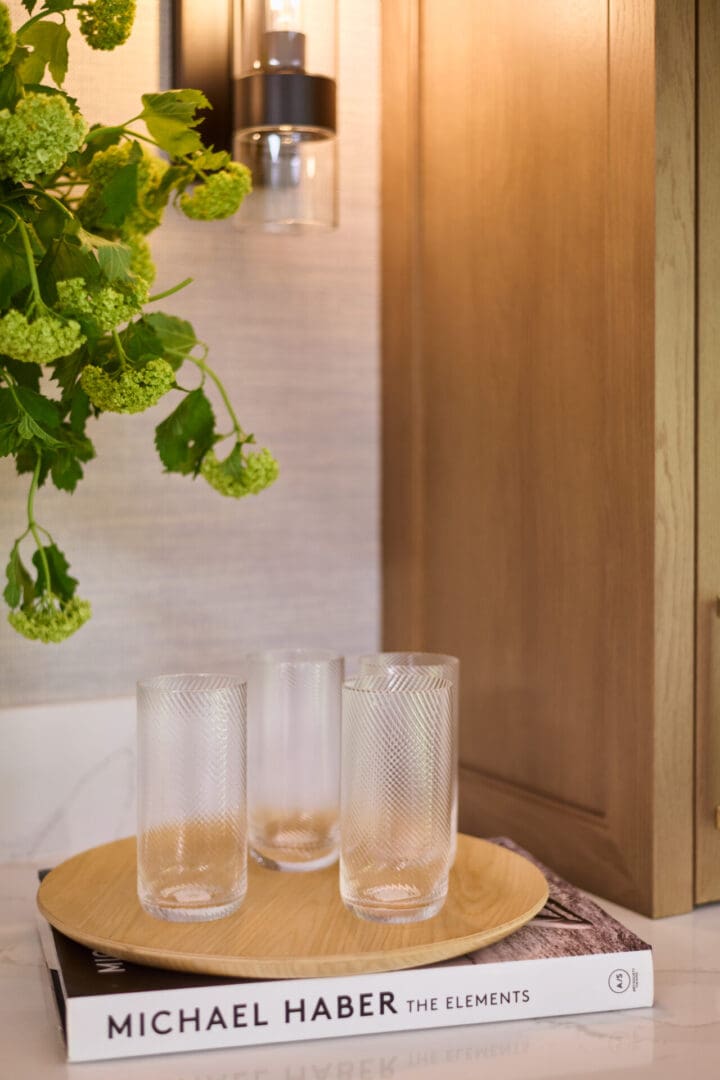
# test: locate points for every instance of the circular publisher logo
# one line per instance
(619, 981)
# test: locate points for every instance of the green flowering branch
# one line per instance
(205, 368)
(76, 338)
(33, 528)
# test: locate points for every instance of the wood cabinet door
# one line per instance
(538, 307)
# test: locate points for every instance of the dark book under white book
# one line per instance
(572, 958)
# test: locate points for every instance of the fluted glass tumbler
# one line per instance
(397, 776)
(421, 663)
(294, 711)
(192, 798)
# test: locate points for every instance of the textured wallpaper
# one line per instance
(180, 578)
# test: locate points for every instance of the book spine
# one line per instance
(126, 1025)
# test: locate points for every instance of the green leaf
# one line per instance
(28, 429)
(29, 5)
(61, 584)
(8, 406)
(211, 160)
(66, 471)
(10, 441)
(79, 411)
(234, 464)
(66, 468)
(49, 41)
(176, 336)
(19, 583)
(183, 439)
(11, 87)
(32, 68)
(113, 257)
(181, 105)
(141, 343)
(66, 371)
(67, 258)
(49, 222)
(26, 458)
(176, 176)
(120, 194)
(170, 118)
(9, 417)
(40, 408)
(99, 138)
(14, 273)
(38, 418)
(24, 373)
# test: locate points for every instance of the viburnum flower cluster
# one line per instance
(77, 203)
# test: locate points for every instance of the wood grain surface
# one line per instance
(672, 736)
(543, 382)
(290, 925)
(707, 824)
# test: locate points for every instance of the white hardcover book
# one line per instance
(572, 958)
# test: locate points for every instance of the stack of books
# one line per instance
(572, 958)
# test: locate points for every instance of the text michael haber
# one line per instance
(243, 1014)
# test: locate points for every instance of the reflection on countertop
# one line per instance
(680, 1036)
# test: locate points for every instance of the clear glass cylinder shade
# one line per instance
(434, 664)
(397, 780)
(285, 112)
(294, 181)
(192, 809)
(294, 717)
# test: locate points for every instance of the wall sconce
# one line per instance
(268, 68)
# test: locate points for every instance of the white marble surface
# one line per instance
(67, 778)
(679, 1039)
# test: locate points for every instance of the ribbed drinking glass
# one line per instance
(440, 666)
(397, 782)
(294, 712)
(192, 806)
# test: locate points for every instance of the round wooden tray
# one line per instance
(290, 925)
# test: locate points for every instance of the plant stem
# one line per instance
(30, 257)
(124, 130)
(122, 355)
(169, 292)
(52, 199)
(29, 254)
(41, 15)
(33, 526)
(142, 138)
(11, 387)
(207, 370)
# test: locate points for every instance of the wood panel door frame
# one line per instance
(639, 850)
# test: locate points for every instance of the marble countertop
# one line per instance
(678, 1038)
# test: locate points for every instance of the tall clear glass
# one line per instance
(397, 772)
(192, 805)
(435, 664)
(294, 711)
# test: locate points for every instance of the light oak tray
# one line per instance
(290, 925)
